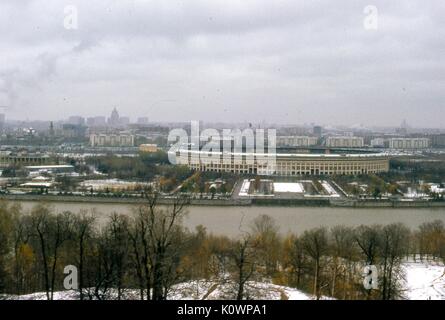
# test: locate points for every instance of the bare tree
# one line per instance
(394, 247)
(243, 255)
(265, 233)
(141, 252)
(315, 244)
(40, 217)
(6, 236)
(119, 244)
(155, 235)
(62, 231)
(297, 260)
(163, 230)
(344, 253)
(368, 239)
(83, 232)
(431, 239)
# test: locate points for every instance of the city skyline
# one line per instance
(237, 151)
(105, 120)
(280, 61)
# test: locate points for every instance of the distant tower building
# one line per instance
(317, 131)
(404, 124)
(77, 120)
(142, 120)
(124, 121)
(403, 130)
(99, 121)
(114, 118)
(2, 121)
(51, 129)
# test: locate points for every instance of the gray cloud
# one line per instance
(279, 61)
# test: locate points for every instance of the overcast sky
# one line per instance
(222, 60)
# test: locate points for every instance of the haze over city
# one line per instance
(209, 152)
(225, 61)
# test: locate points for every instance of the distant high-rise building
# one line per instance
(73, 130)
(99, 121)
(142, 120)
(2, 121)
(404, 124)
(318, 130)
(51, 129)
(114, 118)
(124, 120)
(77, 120)
(403, 130)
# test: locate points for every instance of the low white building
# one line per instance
(50, 169)
(344, 142)
(111, 140)
(113, 185)
(296, 141)
(378, 143)
(409, 143)
(435, 188)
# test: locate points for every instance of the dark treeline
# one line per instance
(150, 251)
(432, 170)
(144, 167)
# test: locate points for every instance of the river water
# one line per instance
(232, 221)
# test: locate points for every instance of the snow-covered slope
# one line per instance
(209, 290)
(194, 290)
(424, 281)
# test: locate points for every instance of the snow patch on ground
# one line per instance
(288, 187)
(329, 189)
(244, 191)
(193, 290)
(424, 281)
(210, 290)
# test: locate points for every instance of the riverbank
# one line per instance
(120, 200)
(319, 202)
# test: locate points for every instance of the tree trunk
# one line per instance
(316, 279)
